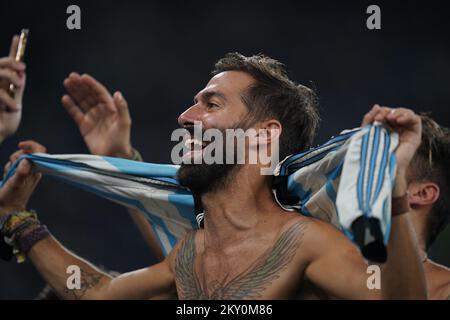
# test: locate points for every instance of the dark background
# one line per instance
(159, 54)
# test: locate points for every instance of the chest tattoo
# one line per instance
(248, 284)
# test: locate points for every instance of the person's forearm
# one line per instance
(139, 220)
(403, 275)
(147, 232)
(52, 261)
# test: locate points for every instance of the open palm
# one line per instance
(103, 120)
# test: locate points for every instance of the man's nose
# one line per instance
(190, 116)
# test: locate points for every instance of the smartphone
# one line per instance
(20, 53)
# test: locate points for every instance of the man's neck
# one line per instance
(234, 212)
(419, 216)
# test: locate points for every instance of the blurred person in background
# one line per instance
(429, 196)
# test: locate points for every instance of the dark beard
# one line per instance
(203, 178)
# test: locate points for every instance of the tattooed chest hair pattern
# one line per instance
(249, 284)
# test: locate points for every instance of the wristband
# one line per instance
(12, 227)
(12, 222)
(25, 243)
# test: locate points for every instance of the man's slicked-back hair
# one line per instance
(431, 163)
(275, 96)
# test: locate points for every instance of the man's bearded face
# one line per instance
(203, 177)
(219, 105)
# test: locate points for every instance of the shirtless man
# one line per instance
(249, 248)
(429, 191)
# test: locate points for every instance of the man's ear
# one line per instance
(269, 131)
(423, 193)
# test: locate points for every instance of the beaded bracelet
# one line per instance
(13, 226)
(26, 242)
(13, 220)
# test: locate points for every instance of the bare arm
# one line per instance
(402, 276)
(105, 124)
(338, 268)
(52, 259)
(147, 232)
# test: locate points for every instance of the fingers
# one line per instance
(12, 77)
(11, 72)
(18, 91)
(16, 155)
(97, 90)
(18, 189)
(400, 115)
(11, 63)
(96, 87)
(5, 99)
(6, 168)
(396, 116)
(79, 92)
(391, 116)
(22, 172)
(74, 111)
(89, 93)
(26, 147)
(74, 86)
(30, 146)
(370, 116)
(382, 114)
(14, 46)
(23, 177)
(122, 106)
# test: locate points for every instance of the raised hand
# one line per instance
(103, 120)
(11, 107)
(14, 195)
(25, 147)
(408, 126)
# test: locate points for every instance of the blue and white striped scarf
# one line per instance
(347, 182)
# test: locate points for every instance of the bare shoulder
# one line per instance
(187, 241)
(311, 227)
(310, 241)
(291, 234)
(320, 231)
(319, 237)
(294, 223)
(440, 278)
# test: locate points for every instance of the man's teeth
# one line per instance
(194, 142)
